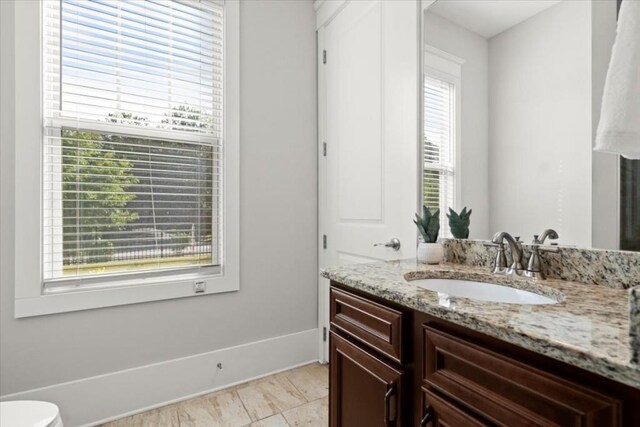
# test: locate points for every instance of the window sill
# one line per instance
(99, 296)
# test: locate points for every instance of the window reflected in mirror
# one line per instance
(629, 204)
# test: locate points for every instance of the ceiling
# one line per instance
(489, 17)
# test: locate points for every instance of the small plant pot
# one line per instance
(430, 253)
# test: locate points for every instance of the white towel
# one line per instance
(619, 127)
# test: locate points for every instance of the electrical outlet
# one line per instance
(199, 287)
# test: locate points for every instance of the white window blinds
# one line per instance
(133, 125)
(439, 147)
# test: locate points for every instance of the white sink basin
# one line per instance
(482, 291)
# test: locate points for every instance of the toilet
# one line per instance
(29, 413)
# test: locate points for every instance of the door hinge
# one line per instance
(324, 149)
(324, 56)
(324, 241)
(324, 334)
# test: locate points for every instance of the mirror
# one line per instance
(512, 92)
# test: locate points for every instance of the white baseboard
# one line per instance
(95, 400)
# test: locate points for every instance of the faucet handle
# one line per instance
(534, 266)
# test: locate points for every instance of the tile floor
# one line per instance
(298, 397)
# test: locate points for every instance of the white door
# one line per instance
(369, 120)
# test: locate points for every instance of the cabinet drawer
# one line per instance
(370, 323)
(443, 413)
(508, 392)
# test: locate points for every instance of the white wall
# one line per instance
(540, 128)
(278, 293)
(451, 38)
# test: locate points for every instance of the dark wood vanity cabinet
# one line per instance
(392, 366)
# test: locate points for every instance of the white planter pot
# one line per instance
(430, 253)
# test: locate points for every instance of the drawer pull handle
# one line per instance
(428, 416)
(391, 389)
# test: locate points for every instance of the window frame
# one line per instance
(448, 68)
(30, 296)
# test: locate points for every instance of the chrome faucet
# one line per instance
(516, 266)
(534, 265)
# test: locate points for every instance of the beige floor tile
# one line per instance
(311, 380)
(213, 393)
(217, 410)
(269, 396)
(312, 414)
(165, 416)
(273, 421)
(259, 403)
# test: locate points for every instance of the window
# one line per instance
(438, 172)
(138, 183)
(133, 131)
(629, 204)
(441, 95)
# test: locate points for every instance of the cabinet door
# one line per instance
(439, 412)
(364, 391)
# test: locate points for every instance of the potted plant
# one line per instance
(459, 223)
(429, 251)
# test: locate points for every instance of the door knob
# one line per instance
(393, 243)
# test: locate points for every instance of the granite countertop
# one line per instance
(588, 328)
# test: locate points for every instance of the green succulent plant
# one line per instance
(428, 224)
(459, 223)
